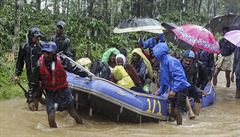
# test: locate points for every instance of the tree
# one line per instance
(17, 26)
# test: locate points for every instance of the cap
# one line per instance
(50, 47)
(189, 54)
(61, 24)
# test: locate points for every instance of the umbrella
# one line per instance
(198, 37)
(171, 37)
(169, 25)
(233, 37)
(229, 20)
(139, 24)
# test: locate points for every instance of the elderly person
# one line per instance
(121, 60)
(142, 66)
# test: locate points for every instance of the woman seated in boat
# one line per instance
(121, 61)
(125, 75)
(109, 57)
(142, 66)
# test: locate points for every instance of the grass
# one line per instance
(7, 88)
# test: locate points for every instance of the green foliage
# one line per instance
(7, 89)
(185, 17)
(84, 32)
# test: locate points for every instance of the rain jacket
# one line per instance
(172, 74)
(122, 77)
(28, 54)
(236, 63)
(151, 42)
(107, 54)
(146, 62)
(63, 44)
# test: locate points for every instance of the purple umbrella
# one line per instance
(233, 37)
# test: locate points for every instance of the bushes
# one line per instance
(97, 40)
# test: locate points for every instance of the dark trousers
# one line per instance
(62, 98)
(180, 100)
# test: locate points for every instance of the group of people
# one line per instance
(45, 67)
(179, 78)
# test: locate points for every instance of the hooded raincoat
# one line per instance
(145, 60)
(107, 54)
(172, 74)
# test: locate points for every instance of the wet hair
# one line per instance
(123, 51)
(226, 29)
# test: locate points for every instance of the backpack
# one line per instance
(101, 69)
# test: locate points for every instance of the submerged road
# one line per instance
(219, 120)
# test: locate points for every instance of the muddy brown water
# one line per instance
(220, 119)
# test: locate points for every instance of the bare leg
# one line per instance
(42, 101)
(216, 72)
(178, 116)
(227, 75)
(237, 94)
(191, 115)
(72, 112)
(51, 120)
(172, 116)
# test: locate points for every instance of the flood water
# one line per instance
(220, 119)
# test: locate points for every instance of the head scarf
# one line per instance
(145, 60)
(123, 58)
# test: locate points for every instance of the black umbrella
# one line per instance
(229, 20)
(170, 36)
(169, 25)
(139, 24)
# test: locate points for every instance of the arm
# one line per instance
(149, 43)
(20, 61)
(133, 74)
(178, 78)
(70, 66)
(211, 65)
(195, 76)
(68, 49)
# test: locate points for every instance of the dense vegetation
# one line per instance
(89, 28)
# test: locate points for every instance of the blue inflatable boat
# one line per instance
(101, 96)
